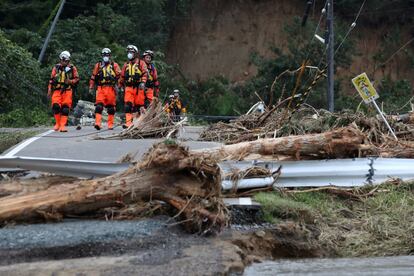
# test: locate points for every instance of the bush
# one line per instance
(21, 80)
(23, 118)
(395, 94)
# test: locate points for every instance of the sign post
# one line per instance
(368, 93)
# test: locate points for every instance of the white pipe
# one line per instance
(249, 183)
(320, 38)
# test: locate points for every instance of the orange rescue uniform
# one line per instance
(62, 92)
(62, 80)
(133, 73)
(152, 84)
(105, 76)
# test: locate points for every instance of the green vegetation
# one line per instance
(24, 118)
(20, 78)
(148, 24)
(380, 224)
(9, 139)
(275, 207)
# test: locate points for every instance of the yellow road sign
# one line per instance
(365, 88)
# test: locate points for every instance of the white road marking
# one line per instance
(25, 143)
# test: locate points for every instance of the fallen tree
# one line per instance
(338, 143)
(25, 186)
(281, 122)
(389, 149)
(188, 181)
(168, 173)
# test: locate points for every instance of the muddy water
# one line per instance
(403, 265)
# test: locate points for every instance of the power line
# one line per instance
(352, 26)
(396, 52)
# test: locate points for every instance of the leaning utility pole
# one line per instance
(330, 55)
(52, 28)
(307, 10)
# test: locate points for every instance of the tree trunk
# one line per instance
(188, 181)
(343, 142)
(391, 149)
(32, 185)
(169, 173)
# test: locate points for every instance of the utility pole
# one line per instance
(52, 28)
(307, 10)
(330, 55)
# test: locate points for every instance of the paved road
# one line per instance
(82, 145)
(383, 266)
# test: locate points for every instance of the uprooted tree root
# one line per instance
(169, 173)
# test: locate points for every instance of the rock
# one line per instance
(260, 233)
(84, 115)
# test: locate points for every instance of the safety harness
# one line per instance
(106, 75)
(151, 82)
(62, 73)
(176, 106)
(133, 74)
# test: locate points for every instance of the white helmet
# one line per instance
(106, 51)
(148, 53)
(132, 48)
(65, 55)
(176, 91)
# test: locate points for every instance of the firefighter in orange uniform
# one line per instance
(176, 107)
(152, 84)
(63, 78)
(105, 76)
(133, 78)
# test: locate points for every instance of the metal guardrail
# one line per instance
(316, 173)
(334, 172)
(67, 167)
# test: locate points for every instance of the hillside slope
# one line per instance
(219, 37)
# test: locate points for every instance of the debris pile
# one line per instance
(283, 122)
(154, 122)
(169, 173)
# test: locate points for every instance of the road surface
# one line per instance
(82, 145)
